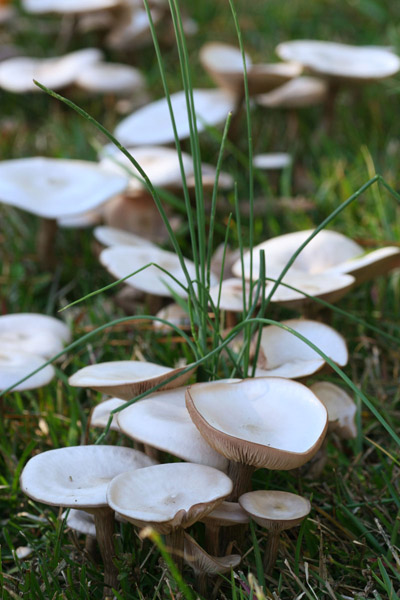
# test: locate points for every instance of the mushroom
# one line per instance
(151, 124)
(246, 424)
(101, 413)
(33, 333)
(126, 379)
(67, 6)
(329, 252)
(111, 236)
(227, 514)
(168, 497)
(77, 477)
(52, 188)
(17, 74)
(282, 354)
(174, 314)
(224, 63)
(340, 406)
(16, 364)
(276, 511)
(110, 78)
(300, 92)
(162, 421)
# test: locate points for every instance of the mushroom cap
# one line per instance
(67, 6)
(226, 514)
(282, 354)
(168, 496)
(55, 187)
(17, 73)
(300, 92)
(151, 125)
(81, 521)
(111, 236)
(275, 510)
(231, 294)
(14, 365)
(84, 220)
(328, 252)
(224, 64)
(272, 161)
(126, 379)
(101, 413)
(33, 333)
(162, 421)
(340, 406)
(114, 78)
(202, 562)
(174, 314)
(122, 260)
(341, 61)
(270, 422)
(78, 476)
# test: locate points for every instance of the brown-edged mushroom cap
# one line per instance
(120, 261)
(297, 93)
(101, 413)
(282, 354)
(264, 422)
(275, 510)
(127, 378)
(15, 365)
(33, 333)
(151, 124)
(55, 187)
(162, 421)
(168, 496)
(340, 406)
(202, 562)
(341, 61)
(78, 476)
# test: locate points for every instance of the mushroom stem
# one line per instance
(271, 551)
(241, 476)
(174, 542)
(212, 539)
(45, 242)
(104, 522)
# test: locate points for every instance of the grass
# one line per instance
(348, 546)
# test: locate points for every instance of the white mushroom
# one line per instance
(15, 365)
(33, 333)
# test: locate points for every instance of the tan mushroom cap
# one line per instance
(126, 379)
(114, 78)
(17, 73)
(297, 93)
(263, 422)
(111, 236)
(67, 6)
(328, 252)
(341, 61)
(54, 187)
(33, 333)
(151, 125)
(174, 314)
(168, 496)
(224, 64)
(340, 406)
(78, 476)
(102, 412)
(275, 510)
(202, 562)
(162, 421)
(282, 354)
(226, 514)
(81, 521)
(120, 261)
(15, 365)
(272, 161)
(231, 298)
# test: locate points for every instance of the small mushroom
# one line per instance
(77, 477)
(110, 236)
(101, 413)
(126, 379)
(16, 364)
(227, 514)
(33, 333)
(276, 511)
(110, 78)
(340, 406)
(169, 497)
(300, 92)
